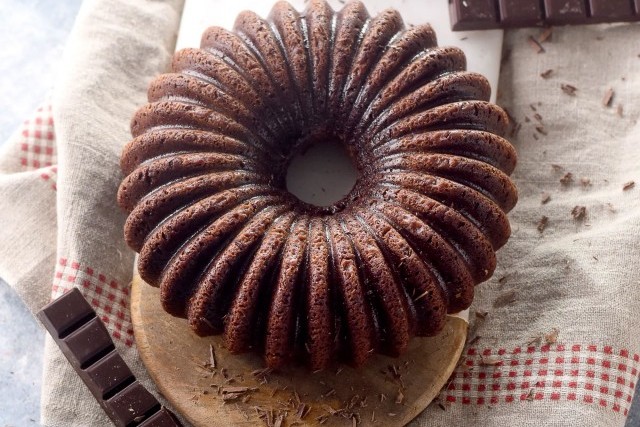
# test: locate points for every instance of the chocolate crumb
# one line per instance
(373, 416)
(557, 168)
(608, 97)
(546, 197)
(546, 74)
(611, 208)
(535, 136)
(566, 179)
(628, 186)
(399, 397)
(579, 212)
(545, 35)
(503, 279)
(619, 110)
(530, 395)
(541, 130)
(383, 397)
(538, 117)
(568, 89)
(552, 337)
(138, 419)
(474, 340)
(535, 45)
(533, 107)
(441, 406)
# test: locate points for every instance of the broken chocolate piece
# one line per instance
(88, 347)
(487, 14)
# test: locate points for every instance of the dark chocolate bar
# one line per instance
(488, 14)
(87, 345)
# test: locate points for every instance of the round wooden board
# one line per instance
(389, 391)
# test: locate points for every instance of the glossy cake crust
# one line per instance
(236, 254)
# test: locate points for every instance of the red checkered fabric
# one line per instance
(37, 143)
(589, 374)
(109, 298)
(50, 174)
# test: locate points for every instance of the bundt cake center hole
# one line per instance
(322, 174)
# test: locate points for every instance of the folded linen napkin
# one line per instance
(554, 340)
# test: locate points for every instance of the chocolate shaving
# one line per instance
(608, 97)
(545, 35)
(541, 130)
(628, 186)
(578, 212)
(546, 197)
(569, 89)
(330, 393)
(566, 179)
(399, 397)
(212, 356)
(546, 74)
(505, 299)
(530, 395)
(535, 45)
(542, 224)
(303, 411)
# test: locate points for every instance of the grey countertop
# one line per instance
(32, 34)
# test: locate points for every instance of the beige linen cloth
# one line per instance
(555, 341)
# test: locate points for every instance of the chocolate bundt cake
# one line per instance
(236, 254)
